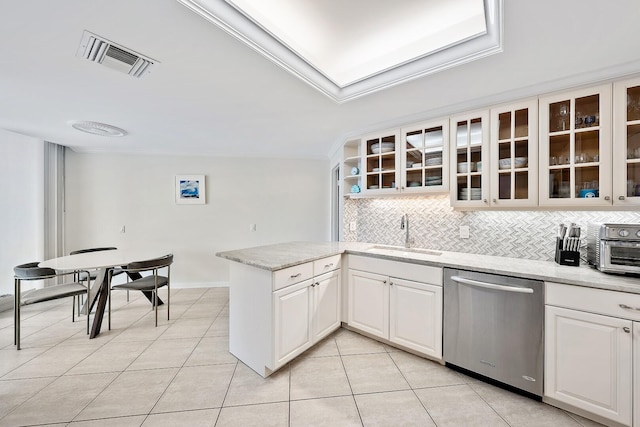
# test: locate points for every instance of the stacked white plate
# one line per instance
(476, 193)
(433, 180)
(433, 161)
(382, 147)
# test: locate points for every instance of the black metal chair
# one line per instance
(31, 271)
(150, 283)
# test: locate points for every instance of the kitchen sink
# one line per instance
(400, 250)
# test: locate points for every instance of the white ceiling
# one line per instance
(212, 95)
(350, 40)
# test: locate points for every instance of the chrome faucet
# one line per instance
(404, 225)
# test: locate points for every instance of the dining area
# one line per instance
(88, 277)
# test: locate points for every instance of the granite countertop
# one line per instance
(283, 255)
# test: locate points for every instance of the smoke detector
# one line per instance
(102, 51)
(96, 128)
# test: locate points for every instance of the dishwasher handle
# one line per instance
(479, 284)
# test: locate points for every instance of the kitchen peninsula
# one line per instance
(286, 297)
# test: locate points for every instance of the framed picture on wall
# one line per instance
(190, 190)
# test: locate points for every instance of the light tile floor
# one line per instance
(182, 374)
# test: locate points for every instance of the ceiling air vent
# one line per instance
(102, 51)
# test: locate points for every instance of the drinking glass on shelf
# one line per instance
(563, 112)
(553, 161)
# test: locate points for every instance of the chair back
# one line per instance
(150, 264)
(31, 271)
(82, 251)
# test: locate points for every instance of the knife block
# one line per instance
(566, 257)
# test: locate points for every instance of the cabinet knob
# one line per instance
(620, 197)
(626, 329)
(484, 200)
(495, 201)
(390, 283)
(607, 198)
(384, 282)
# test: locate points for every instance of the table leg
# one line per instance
(102, 294)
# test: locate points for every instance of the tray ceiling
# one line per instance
(350, 49)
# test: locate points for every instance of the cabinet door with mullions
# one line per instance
(469, 163)
(514, 154)
(575, 151)
(381, 162)
(626, 142)
(425, 161)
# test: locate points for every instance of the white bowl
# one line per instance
(384, 147)
(520, 162)
(505, 163)
(463, 167)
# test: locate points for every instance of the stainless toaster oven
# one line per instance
(614, 248)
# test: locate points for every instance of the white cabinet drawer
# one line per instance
(291, 275)
(327, 264)
(609, 303)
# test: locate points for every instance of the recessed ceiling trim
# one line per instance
(241, 27)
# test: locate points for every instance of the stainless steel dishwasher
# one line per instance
(493, 326)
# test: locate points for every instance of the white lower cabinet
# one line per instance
(404, 312)
(275, 316)
(326, 305)
(369, 303)
(293, 316)
(304, 314)
(592, 354)
(636, 374)
(415, 316)
(588, 362)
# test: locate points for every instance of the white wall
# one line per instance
(285, 198)
(22, 195)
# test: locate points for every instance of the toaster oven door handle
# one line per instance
(480, 284)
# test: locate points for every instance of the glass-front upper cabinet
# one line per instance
(469, 163)
(626, 142)
(381, 154)
(425, 158)
(514, 154)
(575, 151)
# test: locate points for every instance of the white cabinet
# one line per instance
(626, 142)
(591, 342)
(326, 305)
(369, 303)
(415, 316)
(304, 314)
(413, 159)
(403, 311)
(293, 317)
(588, 363)
(424, 165)
(514, 155)
(381, 162)
(575, 148)
(275, 316)
(636, 374)
(469, 164)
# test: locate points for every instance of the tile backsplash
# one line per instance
(433, 224)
